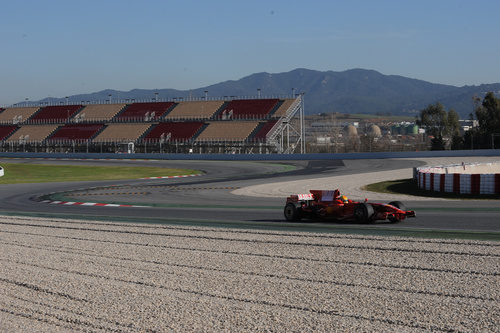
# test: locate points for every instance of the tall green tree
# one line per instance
(434, 119)
(488, 114)
(440, 124)
(453, 124)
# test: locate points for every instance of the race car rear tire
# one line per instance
(398, 204)
(292, 213)
(363, 213)
(393, 219)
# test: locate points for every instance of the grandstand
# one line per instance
(32, 133)
(195, 110)
(249, 109)
(17, 114)
(266, 125)
(6, 131)
(145, 111)
(281, 111)
(98, 112)
(122, 132)
(76, 132)
(55, 114)
(264, 129)
(175, 131)
(227, 131)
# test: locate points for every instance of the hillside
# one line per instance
(350, 91)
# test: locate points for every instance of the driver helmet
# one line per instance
(344, 199)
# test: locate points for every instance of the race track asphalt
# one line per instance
(207, 199)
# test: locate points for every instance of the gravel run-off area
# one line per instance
(69, 275)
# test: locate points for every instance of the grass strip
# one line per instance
(410, 187)
(16, 173)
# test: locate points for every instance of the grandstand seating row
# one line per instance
(183, 131)
(243, 109)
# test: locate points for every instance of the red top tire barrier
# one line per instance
(479, 178)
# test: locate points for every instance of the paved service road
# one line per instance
(209, 198)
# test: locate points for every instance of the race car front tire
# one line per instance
(398, 204)
(363, 213)
(292, 213)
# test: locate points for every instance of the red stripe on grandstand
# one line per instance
(76, 132)
(250, 107)
(432, 182)
(262, 133)
(139, 110)
(441, 183)
(177, 130)
(5, 131)
(56, 112)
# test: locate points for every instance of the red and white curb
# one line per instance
(74, 203)
(98, 204)
(167, 177)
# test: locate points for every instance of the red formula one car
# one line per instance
(331, 205)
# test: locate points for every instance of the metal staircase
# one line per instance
(286, 135)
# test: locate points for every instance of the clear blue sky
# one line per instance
(59, 48)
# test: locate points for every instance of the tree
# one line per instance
(440, 124)
(488, 117)
(453, 126)
(488, 114)
(434, 119)
(438, 143)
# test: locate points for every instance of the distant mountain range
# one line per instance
(350, 91)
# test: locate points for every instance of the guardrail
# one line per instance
(259, 157)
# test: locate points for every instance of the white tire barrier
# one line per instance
(462, 180)
(1, 171)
